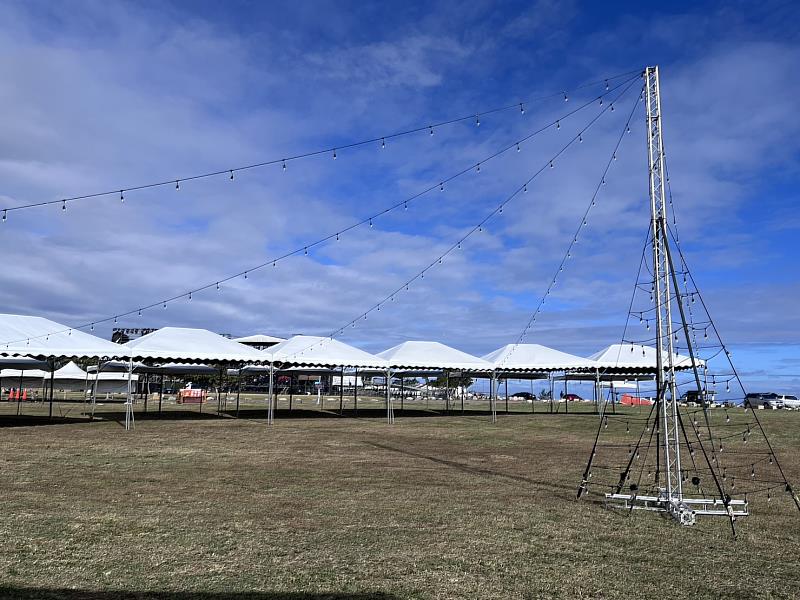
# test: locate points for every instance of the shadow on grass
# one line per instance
(482, 471)
(67, 594)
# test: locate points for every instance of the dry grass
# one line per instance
(432, 507)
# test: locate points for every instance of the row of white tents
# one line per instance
(26, 341)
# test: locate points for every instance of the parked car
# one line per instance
(693, 397)
(573, 398)
(524, 395)
(789, 401)
(767, 400)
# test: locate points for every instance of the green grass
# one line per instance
(431, 507)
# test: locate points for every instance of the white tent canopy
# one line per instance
(259, 339)
(433, 356)
(635, 357)
(314, 351)
(191, 345)
(535, 357)
(70, 371)
(22, 335)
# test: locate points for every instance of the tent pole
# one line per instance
(566, 404)
(463, 391)
(52, 376)
(160, 393)
(402, 392)
(219, 392)
(85, 388)
(552, 391)
(389, 408)
(493, 397)
(20, 387)
(355, 393)
(291, 385)
(447, 392)
(271, 383)
(238, 389)
(129, 400)
(506, 382)
(94, 390)
(147, 389)
(341, 393)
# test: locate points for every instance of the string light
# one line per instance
(383, 143)
(64, 205)
(478, 120)
(334, 154)
(480, 228)
(231, 175)
(177, 184)
(121, 196)
(521, 108)
(431, 129)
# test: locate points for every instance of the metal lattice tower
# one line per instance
(662, 297)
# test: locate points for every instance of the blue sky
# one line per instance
(109, 95)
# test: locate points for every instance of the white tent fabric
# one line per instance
(636, 357)
(433, 356)
(314, 351)
(70, 371)
(191, 345)
(535, 357)
(22, 335)
(259, 339)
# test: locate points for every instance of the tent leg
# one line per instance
(389, 408)
(355, 393)
(270, 413)
(463, 391)
(238, 390)
(291, 385)
(506, 382)
(341, 393)
(19, 397)
(94, 390)
(402, 392)
(160, 393)
(52, 376)
(493, 398)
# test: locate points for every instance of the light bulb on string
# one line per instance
(521, 108)
(177, 184)
(245, 274)
(63, 205)
(165, 305)
(337, 237)
(218, 286)
(518, 148)
(305, 250)
(5, 215)
(606, 84)
(430, 127)
(478, 167)
(525, 188)
(231, 174)
(612, 107)
(558, 124)
(477, 120)
(601, 101)
(370, 222)
(91, 327)
(284, 164)
(334, 154)
(441, 186)
(140, 312)
(551, 164)
(566, 98)
(628, 129)
(190, 296)
(121, 196)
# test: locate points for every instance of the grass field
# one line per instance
(318, 506)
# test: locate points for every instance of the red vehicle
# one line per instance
(573, 398)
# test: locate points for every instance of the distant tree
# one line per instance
(441, 382)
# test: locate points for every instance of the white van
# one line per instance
(789, 401)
